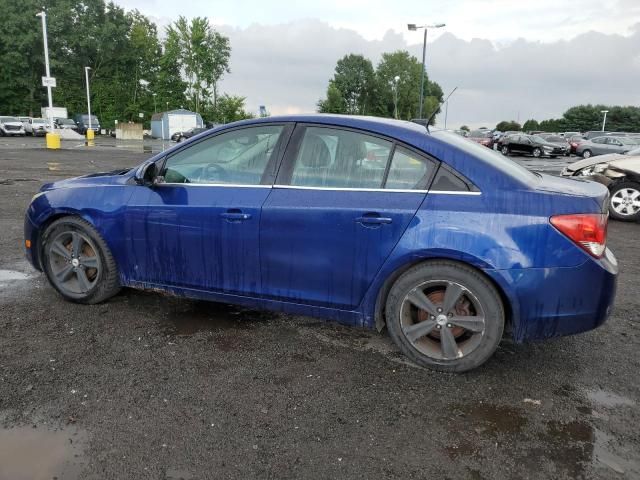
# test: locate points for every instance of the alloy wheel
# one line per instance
(74, 262)
(442, 320)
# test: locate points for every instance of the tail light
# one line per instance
(588, 230)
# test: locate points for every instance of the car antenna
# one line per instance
(433, 114)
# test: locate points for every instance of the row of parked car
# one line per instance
(21, 126)
(553, 145)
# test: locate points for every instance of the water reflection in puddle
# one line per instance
(28, 453)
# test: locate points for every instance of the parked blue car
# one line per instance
(370, 222)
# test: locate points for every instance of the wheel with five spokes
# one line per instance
(445, 316)
(78, 262)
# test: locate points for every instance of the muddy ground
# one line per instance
(146, 386)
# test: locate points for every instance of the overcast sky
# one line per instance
(510, 60)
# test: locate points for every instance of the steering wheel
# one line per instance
(211, 170)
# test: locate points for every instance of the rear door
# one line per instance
(341, 202)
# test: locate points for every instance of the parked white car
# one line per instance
(36, 126)
(11, 126)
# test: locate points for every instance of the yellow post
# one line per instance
(91, 134)
(53, 140)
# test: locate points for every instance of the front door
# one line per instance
(335, 214)
(200, 228)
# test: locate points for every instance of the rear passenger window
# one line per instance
(408, 170)
(447, 181)
(334, 158)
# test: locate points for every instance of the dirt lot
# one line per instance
(146, 386)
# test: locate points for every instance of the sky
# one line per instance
(511, 60)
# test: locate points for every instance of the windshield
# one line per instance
(538, 138)
(65, 121)
(505, 164)
(9, 119)
(554, 138)
(39, 121)
(94, 119)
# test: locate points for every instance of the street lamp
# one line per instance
(86, 76)
(155, 108)
(604, 120)
(395, 96)
(412, 28)
(43, 16)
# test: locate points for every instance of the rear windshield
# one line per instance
(505, 164)
(480, 134)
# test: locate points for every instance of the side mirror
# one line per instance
(148, 175)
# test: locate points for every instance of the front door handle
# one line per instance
(235, 216)
(373, 220)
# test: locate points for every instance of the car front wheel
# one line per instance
(625, 201)
(504, 150)
(445, 316)
(586, 154)
(78, 262)
(537, 152)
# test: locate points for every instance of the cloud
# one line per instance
(287, 66)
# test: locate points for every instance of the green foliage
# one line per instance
(357, 89)
(203, 56)
(508, 125)
(335, 101)
(583, 118)
(228, 108)
(465, 128)
(530, 125)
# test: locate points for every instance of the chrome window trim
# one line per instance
(300, 187)
(238, 185)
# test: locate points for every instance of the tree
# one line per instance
(465, 128)
(407, 67)
(508, 125)
(334, 103)
(531, 125)
(355, 80)
(229, 108)
(203, 56)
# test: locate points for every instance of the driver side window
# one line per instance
(237, 157)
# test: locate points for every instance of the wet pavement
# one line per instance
(150, 386)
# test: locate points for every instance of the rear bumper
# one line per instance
(554, 302)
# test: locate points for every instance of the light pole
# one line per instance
(413, 27)
(43, 16)
(155, 108)
(604, 120)
(396, 79)
(86, 76)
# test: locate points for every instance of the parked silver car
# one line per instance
(589, 166)
(11, 126)
(606, 144)
(36, 126)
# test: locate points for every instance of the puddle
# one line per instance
(7, 276)
(489, 418)
(608, 399)
(28, 453)
(187, 317)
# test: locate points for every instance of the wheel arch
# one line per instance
(383, 290)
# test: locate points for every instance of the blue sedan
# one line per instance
(370, 222)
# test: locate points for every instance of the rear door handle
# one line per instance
(373, 220)
(235, 216)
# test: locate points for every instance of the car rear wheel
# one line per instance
(625, 201)
(586, 154)
(504, 150)
(537, 152)
(78, 262)
(445, 316)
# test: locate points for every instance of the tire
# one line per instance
(553, 156)
(478, 306)
(586, 154)
(504, 150)
(624, 203)
(78, 262)
(537, 152)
